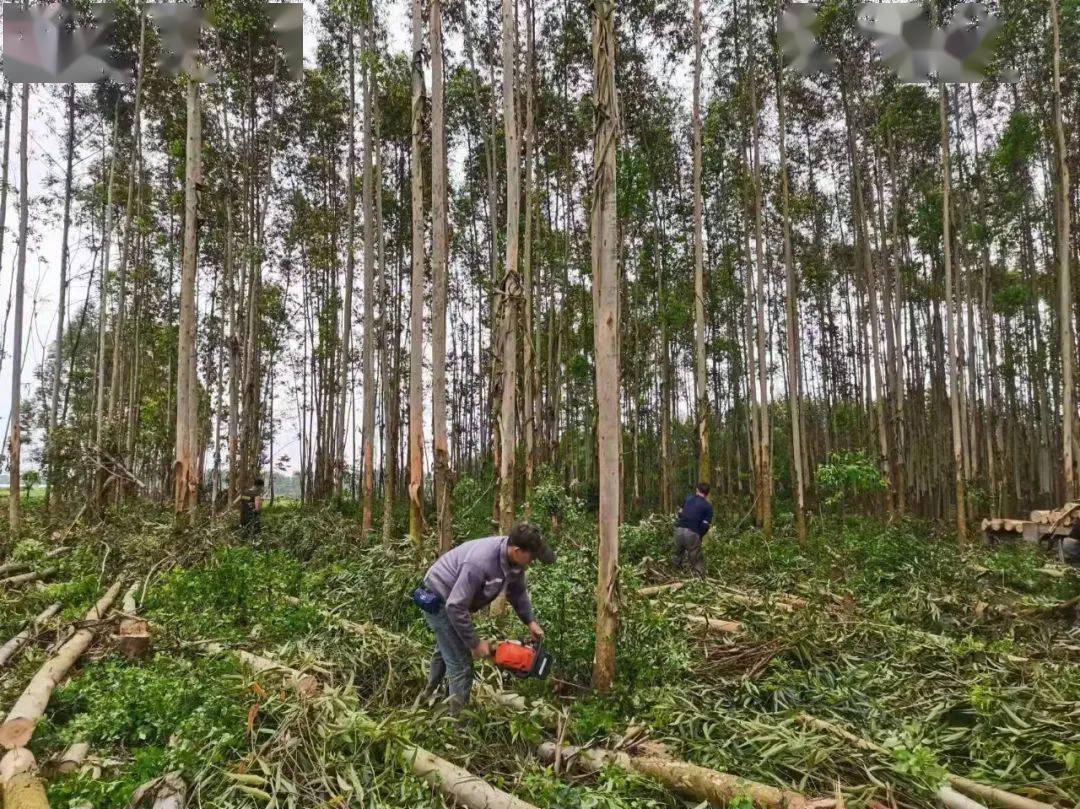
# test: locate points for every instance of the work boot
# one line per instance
(428, 696)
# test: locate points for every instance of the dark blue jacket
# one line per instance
(696, 515)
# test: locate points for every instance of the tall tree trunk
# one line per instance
(99, 406)
(511, 287)
(701, 374)
(134, 168)
(606, 333)
(61, 309)
(186, 480)
(765, 481)
(793, 346)
(530, 376)
(865, 257)
(350, 271)
(369, 288)
(666, 504)
(950, 319)
(17, 338)
(1064, 247)
(439, 252)
(416, 310)
(4, 172)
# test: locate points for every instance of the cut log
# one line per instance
(661, 588)
(19, 781)
(304, 684)
(715, 624)
(992, 795)
(686, 779)
(73, 758)
(23, 578)
(13, 567)
(129, 605)
(12, 647)
(952, 799)
(28, 709)
(458, 784)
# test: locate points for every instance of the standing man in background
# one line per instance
(693, 523)
(251, 504)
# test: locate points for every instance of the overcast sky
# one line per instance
(47, 133)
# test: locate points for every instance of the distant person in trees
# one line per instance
(251, 504)
(464, 580)
(692, 525)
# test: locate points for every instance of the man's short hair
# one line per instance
(259, 482)
(527, 536)
(703, 488)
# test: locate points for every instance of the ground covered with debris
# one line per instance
(877, 666)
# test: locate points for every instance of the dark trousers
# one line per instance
(451, 659)
(688, 549)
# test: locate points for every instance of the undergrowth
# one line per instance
(907, 640)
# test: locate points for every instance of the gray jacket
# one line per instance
(471, 576)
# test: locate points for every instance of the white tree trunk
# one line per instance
(439, 253)
(186, 467)
(15, 422)
(511, 288)
(416, 350)
(606, 334)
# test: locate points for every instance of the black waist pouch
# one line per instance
(427, 600)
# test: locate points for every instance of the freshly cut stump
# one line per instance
(29, 708)
(458, 784)
(686, 779)
(12, 647)
(19, 781)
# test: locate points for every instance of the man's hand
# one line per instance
(536, 630)
(481, 650)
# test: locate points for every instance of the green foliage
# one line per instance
(239, 594)
(848, 476)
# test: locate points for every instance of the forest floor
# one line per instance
(950, 661)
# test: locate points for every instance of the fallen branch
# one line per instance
(715, 624)
(29, 708)
(661, 588)
(12, 647)
(686, 779)
(458, 784)
(23, 578)
(507, 699)
(304, 684)
(20, 784)
(993, 795)
(14, 567)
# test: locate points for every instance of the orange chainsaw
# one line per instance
(523, 660)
